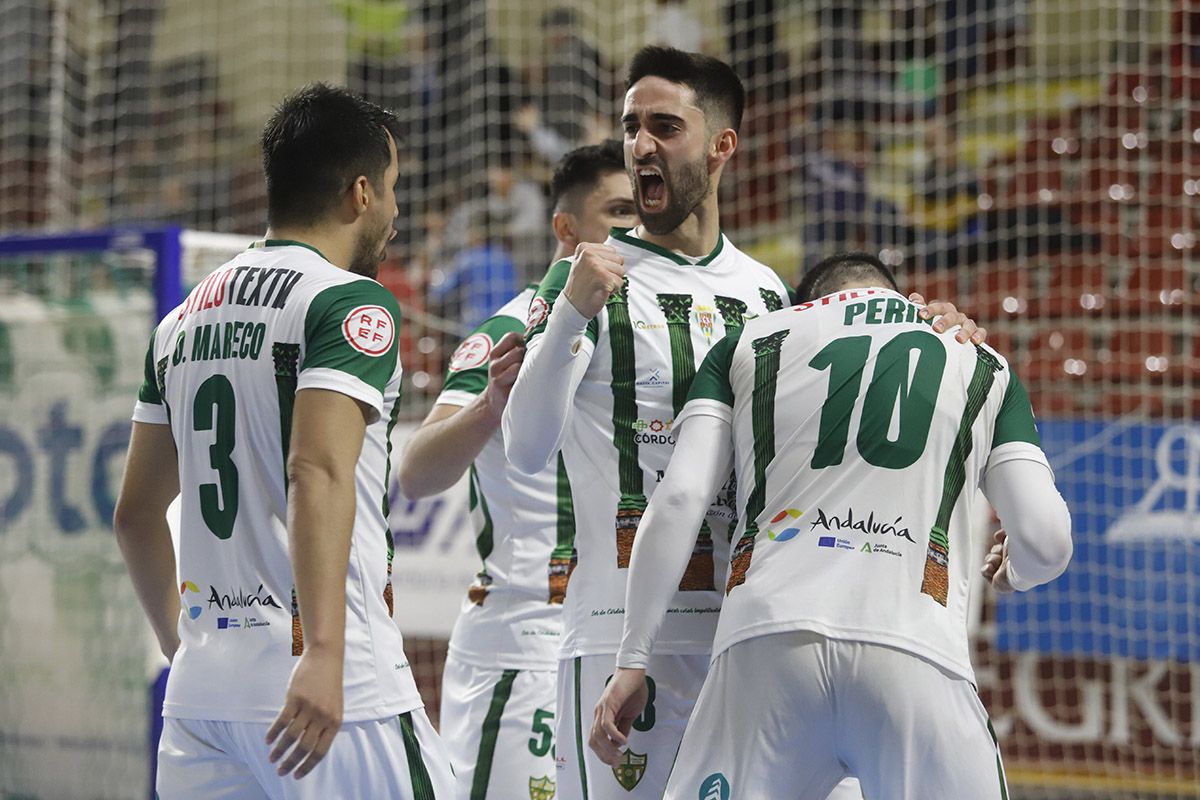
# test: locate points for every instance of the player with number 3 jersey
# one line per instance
(268, 401)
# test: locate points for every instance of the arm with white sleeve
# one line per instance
(539, 406)
(1035, 545)
(558, 351)
(699, 466)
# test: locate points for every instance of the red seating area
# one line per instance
(1106, 328)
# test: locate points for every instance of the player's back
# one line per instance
(224, 369)
(860, 436)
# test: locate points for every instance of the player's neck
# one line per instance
(336, 249)
(696, 236)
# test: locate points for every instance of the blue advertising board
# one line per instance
(1132, 589)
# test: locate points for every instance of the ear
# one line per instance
(360, 196)
(722, 147)
(563, 223)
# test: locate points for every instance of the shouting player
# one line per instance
(860, 436)
(606, 372)
(267, 402)
(498, 687)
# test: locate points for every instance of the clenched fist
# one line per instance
(598, 271)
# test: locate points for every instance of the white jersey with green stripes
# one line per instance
(647, 343)
(860, 437)
(512, 615)
(223, 370)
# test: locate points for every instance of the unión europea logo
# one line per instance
(714, 787)
(784, 517)
(184, 588)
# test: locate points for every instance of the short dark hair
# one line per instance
(719, 91)
(832, 273)
(582, 169)
(318, 141)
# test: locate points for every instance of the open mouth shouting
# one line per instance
(651, 188)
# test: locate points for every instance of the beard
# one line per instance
(369, 253)
(685, 192)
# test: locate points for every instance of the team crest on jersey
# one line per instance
(370, 330)
(541, 788)
(706, 317)
(631, 770)
(539, 309)
(474, 352)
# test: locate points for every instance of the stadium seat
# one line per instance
(941, 284)
(1062, 353)
(1156, 286)
(1076, 288)
(1135, 355)
(1002, 291)
(1124, 401)
(1052, 403)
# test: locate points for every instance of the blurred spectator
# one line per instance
(751, 41)
(573, 76)
(833, 191)
(516, 208)
(546, 142)
(481, 278)
(675, 25)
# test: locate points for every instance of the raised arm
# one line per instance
(558, 350)
(452, 435)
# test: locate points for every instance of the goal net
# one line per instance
(1035, 161)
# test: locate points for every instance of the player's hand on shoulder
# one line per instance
(311, 715)
(995, 563)
(505, 363)
(623, 700)
(598, 271)
(945, 316)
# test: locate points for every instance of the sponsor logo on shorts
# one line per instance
(714, 787)
(370, 330)
(193, 611)
(542, 788)
(473, 352)
(782, 528)
(631, 769)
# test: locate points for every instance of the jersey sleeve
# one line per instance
(351, 336)
(543, 302)
(711, 393)
(1014, 435)
(150, 407)
(467, 373)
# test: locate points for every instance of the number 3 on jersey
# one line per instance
(219, 507)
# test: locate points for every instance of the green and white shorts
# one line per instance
(498, 725)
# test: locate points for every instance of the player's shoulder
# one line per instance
(336, 287)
